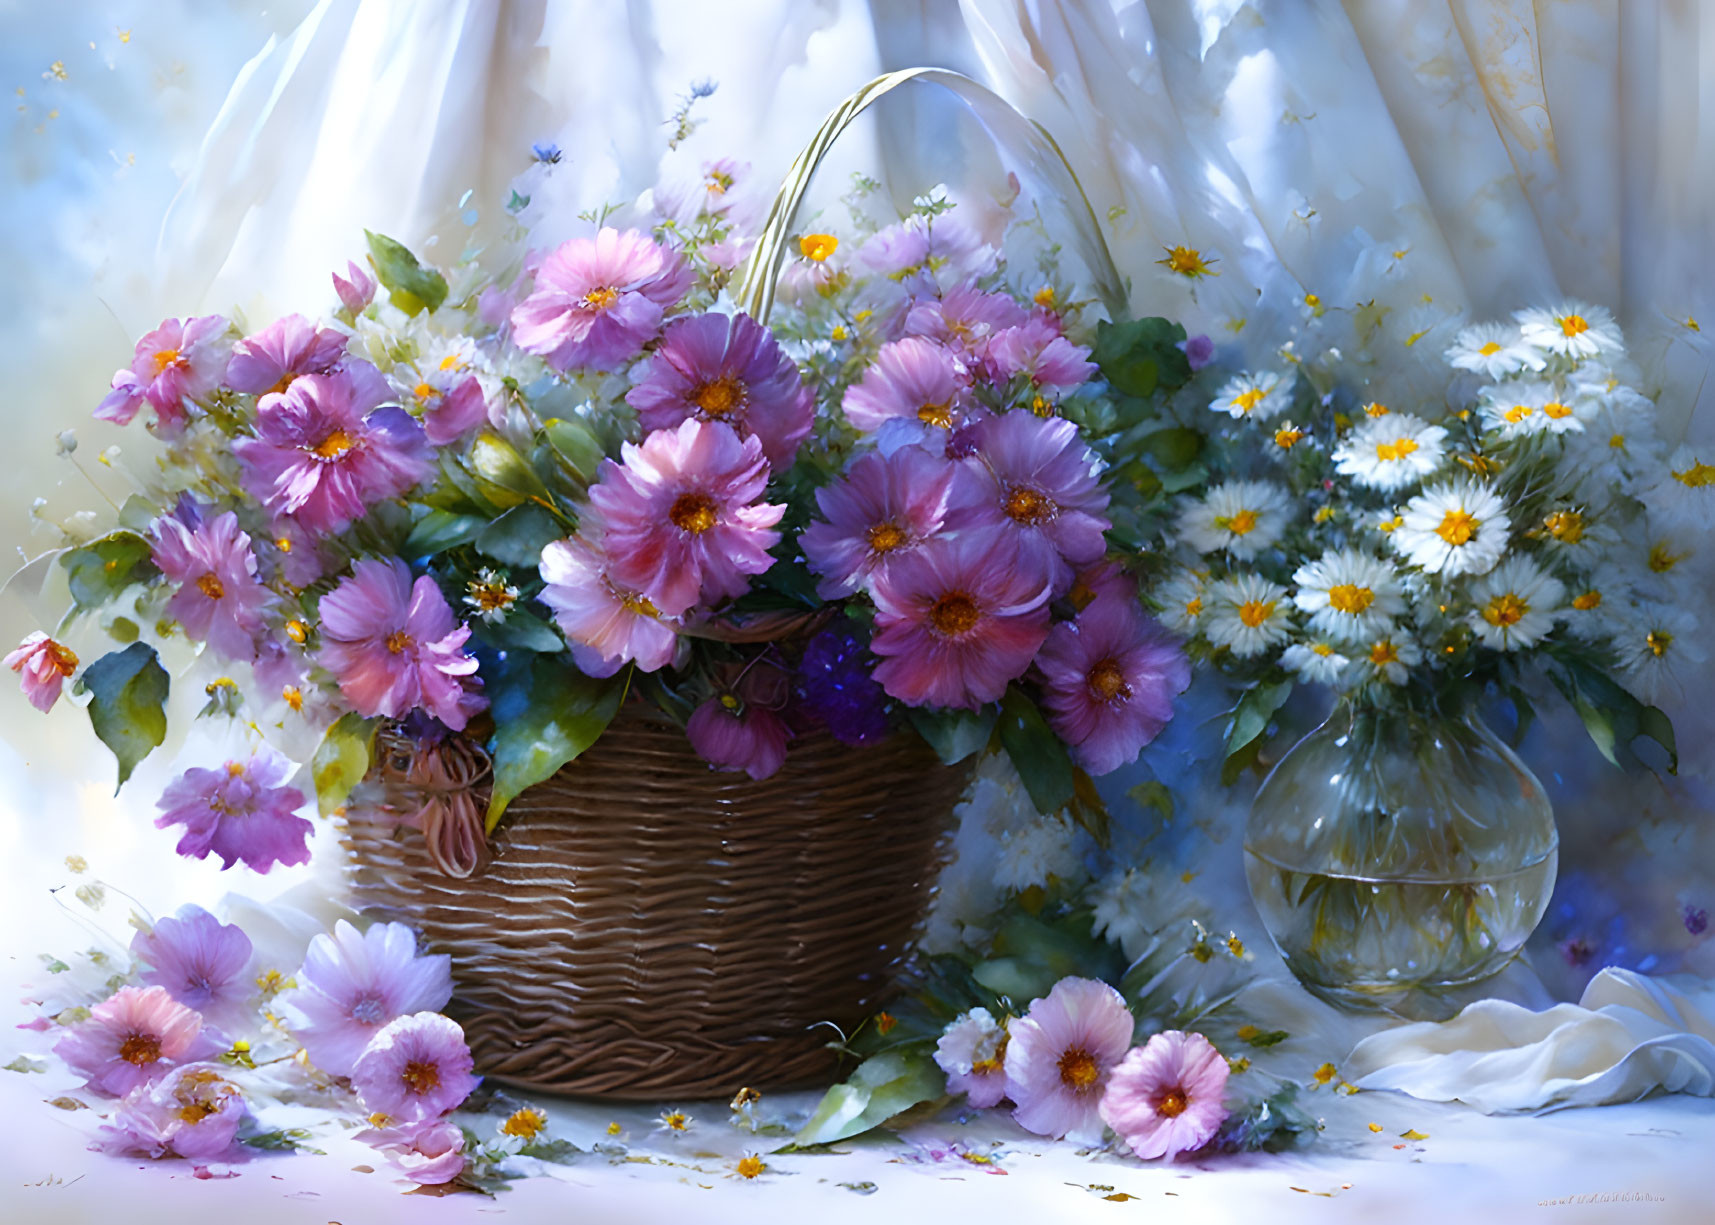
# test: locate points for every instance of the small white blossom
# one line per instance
(1246, 613)
(1685, 495)
(1318, 660)
(1389, 658)
(1514, 605)
(1254, 397)
(1493, 350)
(1571, 330)
(1242, 517)
(1458, 527)
(1181, 600)
(1391, 451)
(1656, 645)
(1348, 594)
(1520, 409)
(1040, 849)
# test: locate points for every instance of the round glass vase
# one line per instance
(1398, 853)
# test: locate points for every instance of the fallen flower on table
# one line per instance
(1164, 1098)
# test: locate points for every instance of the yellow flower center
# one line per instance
(1490, 348)
(720, 397)
(63, 658)
(1518, 413)
(1078, 1070)
(1322, 649)
(1384, 653)
(1398, 449)
(818, 246)
(1044, 297)
(1025, 505)
(1287, 439)
(452, 361)
(1350, 598)
(1240, 523)
(676, 1120)
(885, 537)
(1107, 681)
(1194, 606)
(1566, 526)
(641, 605)
(1376, 410)
(297, 631)
(1573, 325)
(1659, 641)
(1186, 261)
(1662, 559)
(1617, 442)
(1698, 476)
(1504, 610)
(491, 597)
(421, 1077)
(398, 642)
(293, 697)
(693, 512)
(1254, 612)
(1248, 399)
(424, 391)
(334, 445)
(1172, 1103)
(165, 358)
(1554, 410)
(750, 1166)
(954, 615)
(211, 586)
(938, 415)
(1312, 300)
(1588, 600)
(143, 1049)
(526, 1124)
(1457, 527)
(601, 299)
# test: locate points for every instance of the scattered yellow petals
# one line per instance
(613, 1129)
(1413, 1134)
(1375, 1127)
(749, 1166)
(77, 863)
(1325, 1073)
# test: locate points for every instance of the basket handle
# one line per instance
(1003, 121)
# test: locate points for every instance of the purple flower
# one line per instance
(1199, 351)
(325, 453)
(1696, 919)
(835, 684)
(299, 555)
(194, 1113)
(429, 1154)
(43, 665)
(394, 646)
(1059, 1056)
(1164, 1098)
(735, 735)
(1109, 679)
(728, 371)
(448, 416)
(133, 1038)
(598, 301)
(417, 1068)
(614, 623)
(922, 249)
(880, 510)
(356, 289)
(911, 379)
(353, 983)
(268, 361)
(972, 1052)
(220, 600)
(1037, 350)
(242, 810)
(964, 317)
(1039, 484)
(183, 358)
(201, 961)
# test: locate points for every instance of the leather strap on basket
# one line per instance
(1023, 138)
(432, 787)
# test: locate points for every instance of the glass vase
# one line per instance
(1398, 853)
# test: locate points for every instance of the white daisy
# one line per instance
(1130, 907)
(1660, 568)
(1247, 613)
(1457, 527)
(1571, 330)
(1656, 645)
(1389, 658)
(1515, 604)
(1317, 660)
(1348, 594)
(1576, 533)
(1287, 436)
(1242, 517)
(1181, 599)
(1517, 409)
(1596, 604)
(1254, 396)
(1601, 461)
(1685, 494)
(1493, 350)
(1391, 451)
(1043, 848)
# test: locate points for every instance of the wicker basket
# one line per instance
(648, 928)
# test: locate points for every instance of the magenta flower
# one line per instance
(325, 452)
(922, 249)
(219, 598)
(133, 1038)
(394, 646)
(727, 371)
(913, 379)
(268, 361)
(681, 520)
(449, 415)
(182, 359)
(972, 1052)
(615, 622)
(964, 317)
(735, 735)
(299, 556)
(353, 983)
(1109, 679)
(44, 665)
(1039, 484)
(880, 510)
(956, 620)
(1037, 350)
(1199, 351)
(417, 1068)
(242, 810)
(429, 1154)
(201, 961)
(1164, 1097)
(1060, 1055)
(194, 1113)
(598, 301)
(356, 289)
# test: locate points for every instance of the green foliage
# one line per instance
(882, 1086)
(342, 759)
(1031, 953)
(127, 707)
(954, 734)
(440, 530)
(575, 448)
(502, 476)
(1247, 726)
(281, 1140)
(1141, 355)
(412, 287)
(518, 537)
(98, 571)
(546, 713)
(1611, 715)
(1037, 753)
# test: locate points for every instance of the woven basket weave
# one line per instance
(650, 929)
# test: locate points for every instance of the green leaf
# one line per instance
(440, 530)
(127, 707)
(1255, 709)
(577, 446)
(1240, 760)
(1037, 753)
(1140, 355)
(561, 1152)
(1263, 1039)
(503, 475)
(882, 1086)
(342, 759)
(546, 713)
(1153, 794)
(521, 631)
(286, 1139)
(1175, 448)
(412, 287)
(518, 537)
(954, 734)
(101, 569)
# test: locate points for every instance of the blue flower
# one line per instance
(548, 153)
(835, 685)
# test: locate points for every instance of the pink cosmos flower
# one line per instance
(615, 622)
(881, 509)
(735, 735)
(429, 1154)
(299, 556)
(356, 289)
(726, 371)
(194, 1113)
(964, 317)
(1109, 679)
(1039, 484)
(353, 983)
(268, 361)
(922, 250)
(956, 620)
(972, 1052)
(450, 415)
(133, 1038)
(1037, 350)
(1164, 1098)
(1060, 1055)
(417, 1068)
(913, 379)
(598, 301)
(680, 518)
(394, 646)
(242, 810)
(182, 359)
(44, 665)
(219, 598)
(325, 452)
(201, 961)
